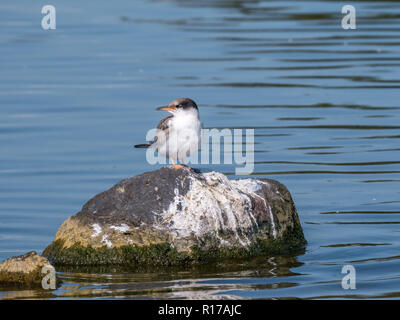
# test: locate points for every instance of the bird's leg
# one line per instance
(176, 166)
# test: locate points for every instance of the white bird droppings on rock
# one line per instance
(213, 204)
(97, 230)
(105, 240)
(251, 186)
(122, 228)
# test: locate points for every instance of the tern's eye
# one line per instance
(179, 106)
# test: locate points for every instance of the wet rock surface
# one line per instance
(169, 217)
(24, 271)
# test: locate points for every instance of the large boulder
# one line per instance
(23, 271)
(169, 217)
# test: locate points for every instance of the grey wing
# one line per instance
(163, 129)
(164, 123)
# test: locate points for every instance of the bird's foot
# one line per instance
(180, 166)
(177, 166)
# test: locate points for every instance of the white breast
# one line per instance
(184, 134)
(184, 119)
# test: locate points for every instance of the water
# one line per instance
(323, 102)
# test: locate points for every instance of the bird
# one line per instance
(178, 134)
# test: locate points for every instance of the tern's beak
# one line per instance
(167, 108)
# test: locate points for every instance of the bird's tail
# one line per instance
(144, 145)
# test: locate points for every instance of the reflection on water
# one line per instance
(193, 282)
(323, 102)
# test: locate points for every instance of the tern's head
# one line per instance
(179, 105)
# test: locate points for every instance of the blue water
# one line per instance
(324, 103)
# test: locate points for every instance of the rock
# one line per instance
(170, 217)
(24, 271)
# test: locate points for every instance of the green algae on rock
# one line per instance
(173, 217)
(23, 271)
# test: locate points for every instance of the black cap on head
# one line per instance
(180, 104)
(183, 103)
